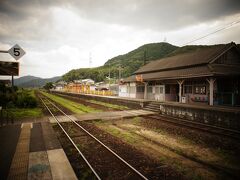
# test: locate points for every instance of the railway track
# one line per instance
(122, 168)
(224, 132)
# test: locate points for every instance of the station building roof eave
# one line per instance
(199, 57)
(200, 63)
(213, 70)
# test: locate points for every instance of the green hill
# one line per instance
(129, 62)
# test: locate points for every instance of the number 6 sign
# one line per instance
(16, 52)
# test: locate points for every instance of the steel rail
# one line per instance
(199, 126)
(70, 139)
(100, 142)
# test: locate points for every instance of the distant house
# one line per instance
(88, 81)
(84, 81)
(60, 85)
(210, 75)
(102, 86)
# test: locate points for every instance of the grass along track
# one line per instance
(94, 103)
(72, 106)
(194, 160)
(113, 106)
(108, 169)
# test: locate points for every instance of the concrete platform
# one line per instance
(103, 115)
(9, 136)
(60, 166)
(34, 153)
(39, 167)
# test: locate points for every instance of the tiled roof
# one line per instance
(195, 64)
(198, 57)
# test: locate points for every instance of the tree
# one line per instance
(48, 86)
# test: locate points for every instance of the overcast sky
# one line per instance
(61, 35)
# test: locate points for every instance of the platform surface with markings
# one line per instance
(34, 153)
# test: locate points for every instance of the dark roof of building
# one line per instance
(198, 57)
(194, 64)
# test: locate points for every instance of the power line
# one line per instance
(216, 31)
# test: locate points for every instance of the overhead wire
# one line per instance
(214, 32)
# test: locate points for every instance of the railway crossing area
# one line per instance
(104, 115)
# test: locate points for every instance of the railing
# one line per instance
(95, 92)
(228, 98)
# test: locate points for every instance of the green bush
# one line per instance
(26, 101)
(14, 97)
(31, 102)
(10, 104)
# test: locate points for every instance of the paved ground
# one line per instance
(32, 151)
(103, 115)
(8, 141)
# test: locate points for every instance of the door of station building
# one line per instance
(160, 93)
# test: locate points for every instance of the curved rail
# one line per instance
(100, 142)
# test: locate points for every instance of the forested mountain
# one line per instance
(31, 81)
(24, 79)
(129, 63)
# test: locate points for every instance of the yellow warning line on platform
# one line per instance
(19, 166)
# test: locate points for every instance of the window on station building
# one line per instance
(199, 89)
(167, 89)
(149, 89)
(161, 90)
(188, 89)
(128, 89)
(140, 89)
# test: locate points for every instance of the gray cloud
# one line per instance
(157, 14)
(150, 14)
(64, 32)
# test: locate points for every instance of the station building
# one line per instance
(210, 75)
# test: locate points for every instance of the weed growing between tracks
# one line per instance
(166, 143)
(93, 103)
(152, 168)
(73, 106)
(114, 106)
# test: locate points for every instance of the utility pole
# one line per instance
(144, 57)
(90, 60)
(109, 76)
(12, 81)
(165, 39)
(119, 73)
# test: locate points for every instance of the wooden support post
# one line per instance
(145, 90)
(211, 87)
(180, 82)
(12, 81)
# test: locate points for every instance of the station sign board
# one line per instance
(9, 68)
(139, 78)
(16, 52)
